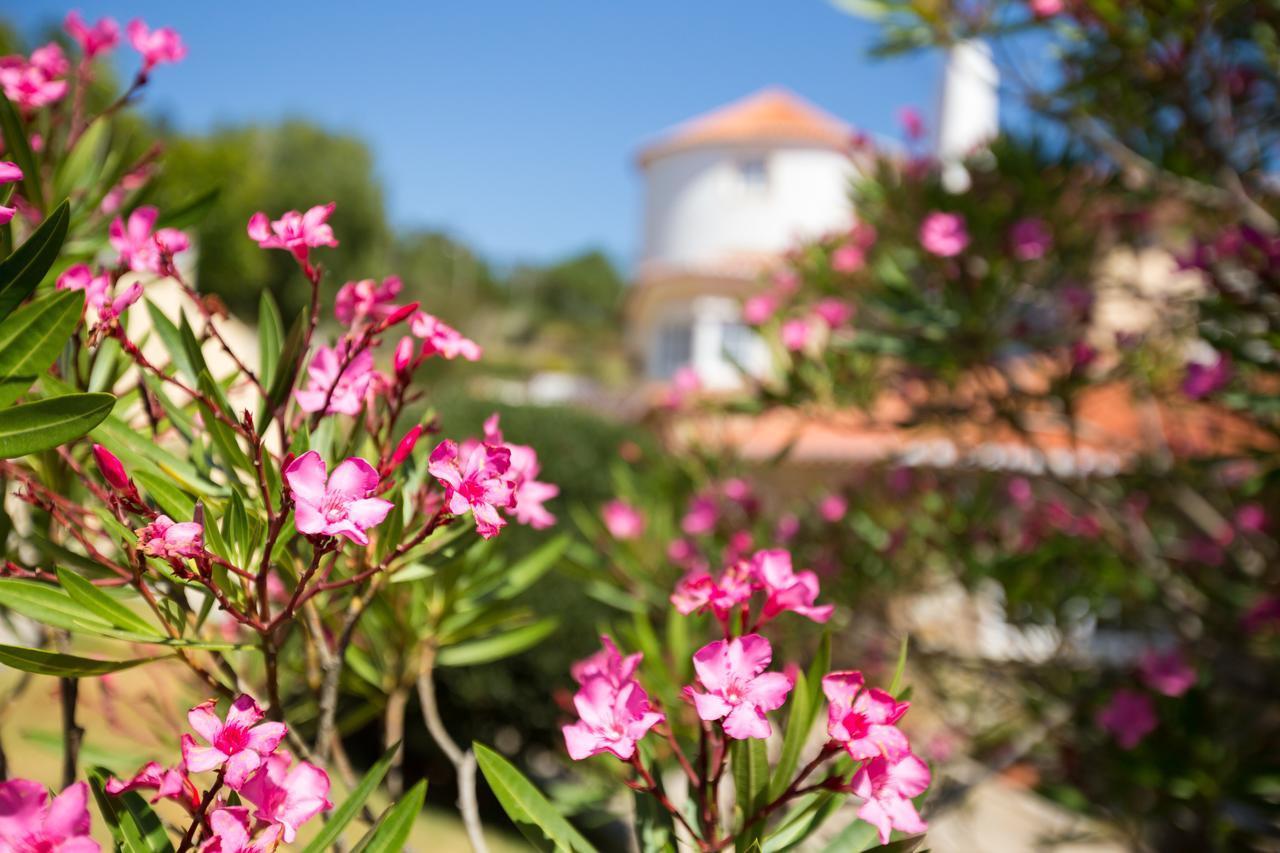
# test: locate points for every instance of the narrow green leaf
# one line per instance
(799, 724)
(47, 423)
(528, 570)
(22, 271)
(172, 340)
(175, 503)
(900, 668)
(49, 605)
(43, 662)
(270, 339)
(350, 807)
(289, 365)
(32, 337)
(102, 605)
(77, 170)
(18, 147)
(750, 765)
(135, 827)
(189, 213)
(536, 818)
(498, 646)
(392, 830)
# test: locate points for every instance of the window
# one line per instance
(740, 346)
(673, 349)
(753, 172)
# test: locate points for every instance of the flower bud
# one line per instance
(112, 469)
(404, 354)
(400, 314)
(405, 447)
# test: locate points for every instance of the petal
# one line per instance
(711, 663)
(769, 690)
(747, 721)
(203, 719)
(68, 814)
(873, 813)
(259, 227)
(354, 478)
(307, 518)
(710, 706)
(749, 655)
(240, 766)
(266, 737)
(244, 712)
(306, 477)
(349, 529)
(198, 759)
(369, 512)
(580, 741)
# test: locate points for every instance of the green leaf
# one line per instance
(190, 345)
(290, 363)
(392, 830)
(101, 604)
(350, 807)
(802, 821)
(189, 213)
(526, 806)
(900, 668)
(23, 270)
(42, 662)
(172, 500)
(270, 339)
(33, 337)
(76, 171)
(528, 570)
(224, 437)
(855, 837)
(750, 765)
(47, 423)
(172, 340)
(799, 724)
(49, 605)
(135, 827)
(655, 828)
(498, 646)
(18, 147)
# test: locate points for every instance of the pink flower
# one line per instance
(1129, 717)
(478, 484)
(240, 744)
(1167, 673)
(345, 388)
(295, 232)
(9, 173)
(141, 250)
(698, 591)
(165, 538)
(112, 469)
(366, 299)
(50, 60)
(832, 508)
(156, 46)
(95, 287)
(1204, 379)
(944, 234)
(739, 691)
(787, 590)
(611, 720)
(608, 663)
(912, 123)
(440, 338)
(1251, 518)
(27, 85)
(528, 493)
(685, 383)
(848, 259)
(101, 37)
(863, 720)
(787, 528)
(759, 308)
(168, 783)
(834, 312)
(338, 505)
(624, 521)
(796, 334)
(403, 358)
(1030, 239)
(288, 797)
(887, 788)
(700, 516)
(29, 823)
(1046, 8)
(229, 830)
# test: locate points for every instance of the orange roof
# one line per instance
(770, 115)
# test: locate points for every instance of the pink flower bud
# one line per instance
(405, 447)
(404, 354)
(399, 315)
(112, 469)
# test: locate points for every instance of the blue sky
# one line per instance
(510, 124)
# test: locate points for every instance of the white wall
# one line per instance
(699, 211)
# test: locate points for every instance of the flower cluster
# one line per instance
(734, 694)
(244, 752)
(30, 821)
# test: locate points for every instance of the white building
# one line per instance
(725, 195)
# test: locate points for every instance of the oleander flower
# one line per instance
(787, 590)
(166, 538)
(162, 44)
(139, 248)
(738, 690)
(30, 823)
(1205, 378)
(340, 504)
(1129, 717)
(95, 287)
(9, 173)
(608, 663)
(476, 481)
(1030, 239)
(944, 234)
(887, 787)
(439, 338)
(1167, 672)
(698, 591)
(624, 521)
(230, 831)
(362, 300)
(344, 388)
(27, 85)
(611, 720)
(240, 743)
(104, 35)
(294, 232)
(287, 796)
(169, 783)
(861, 719)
